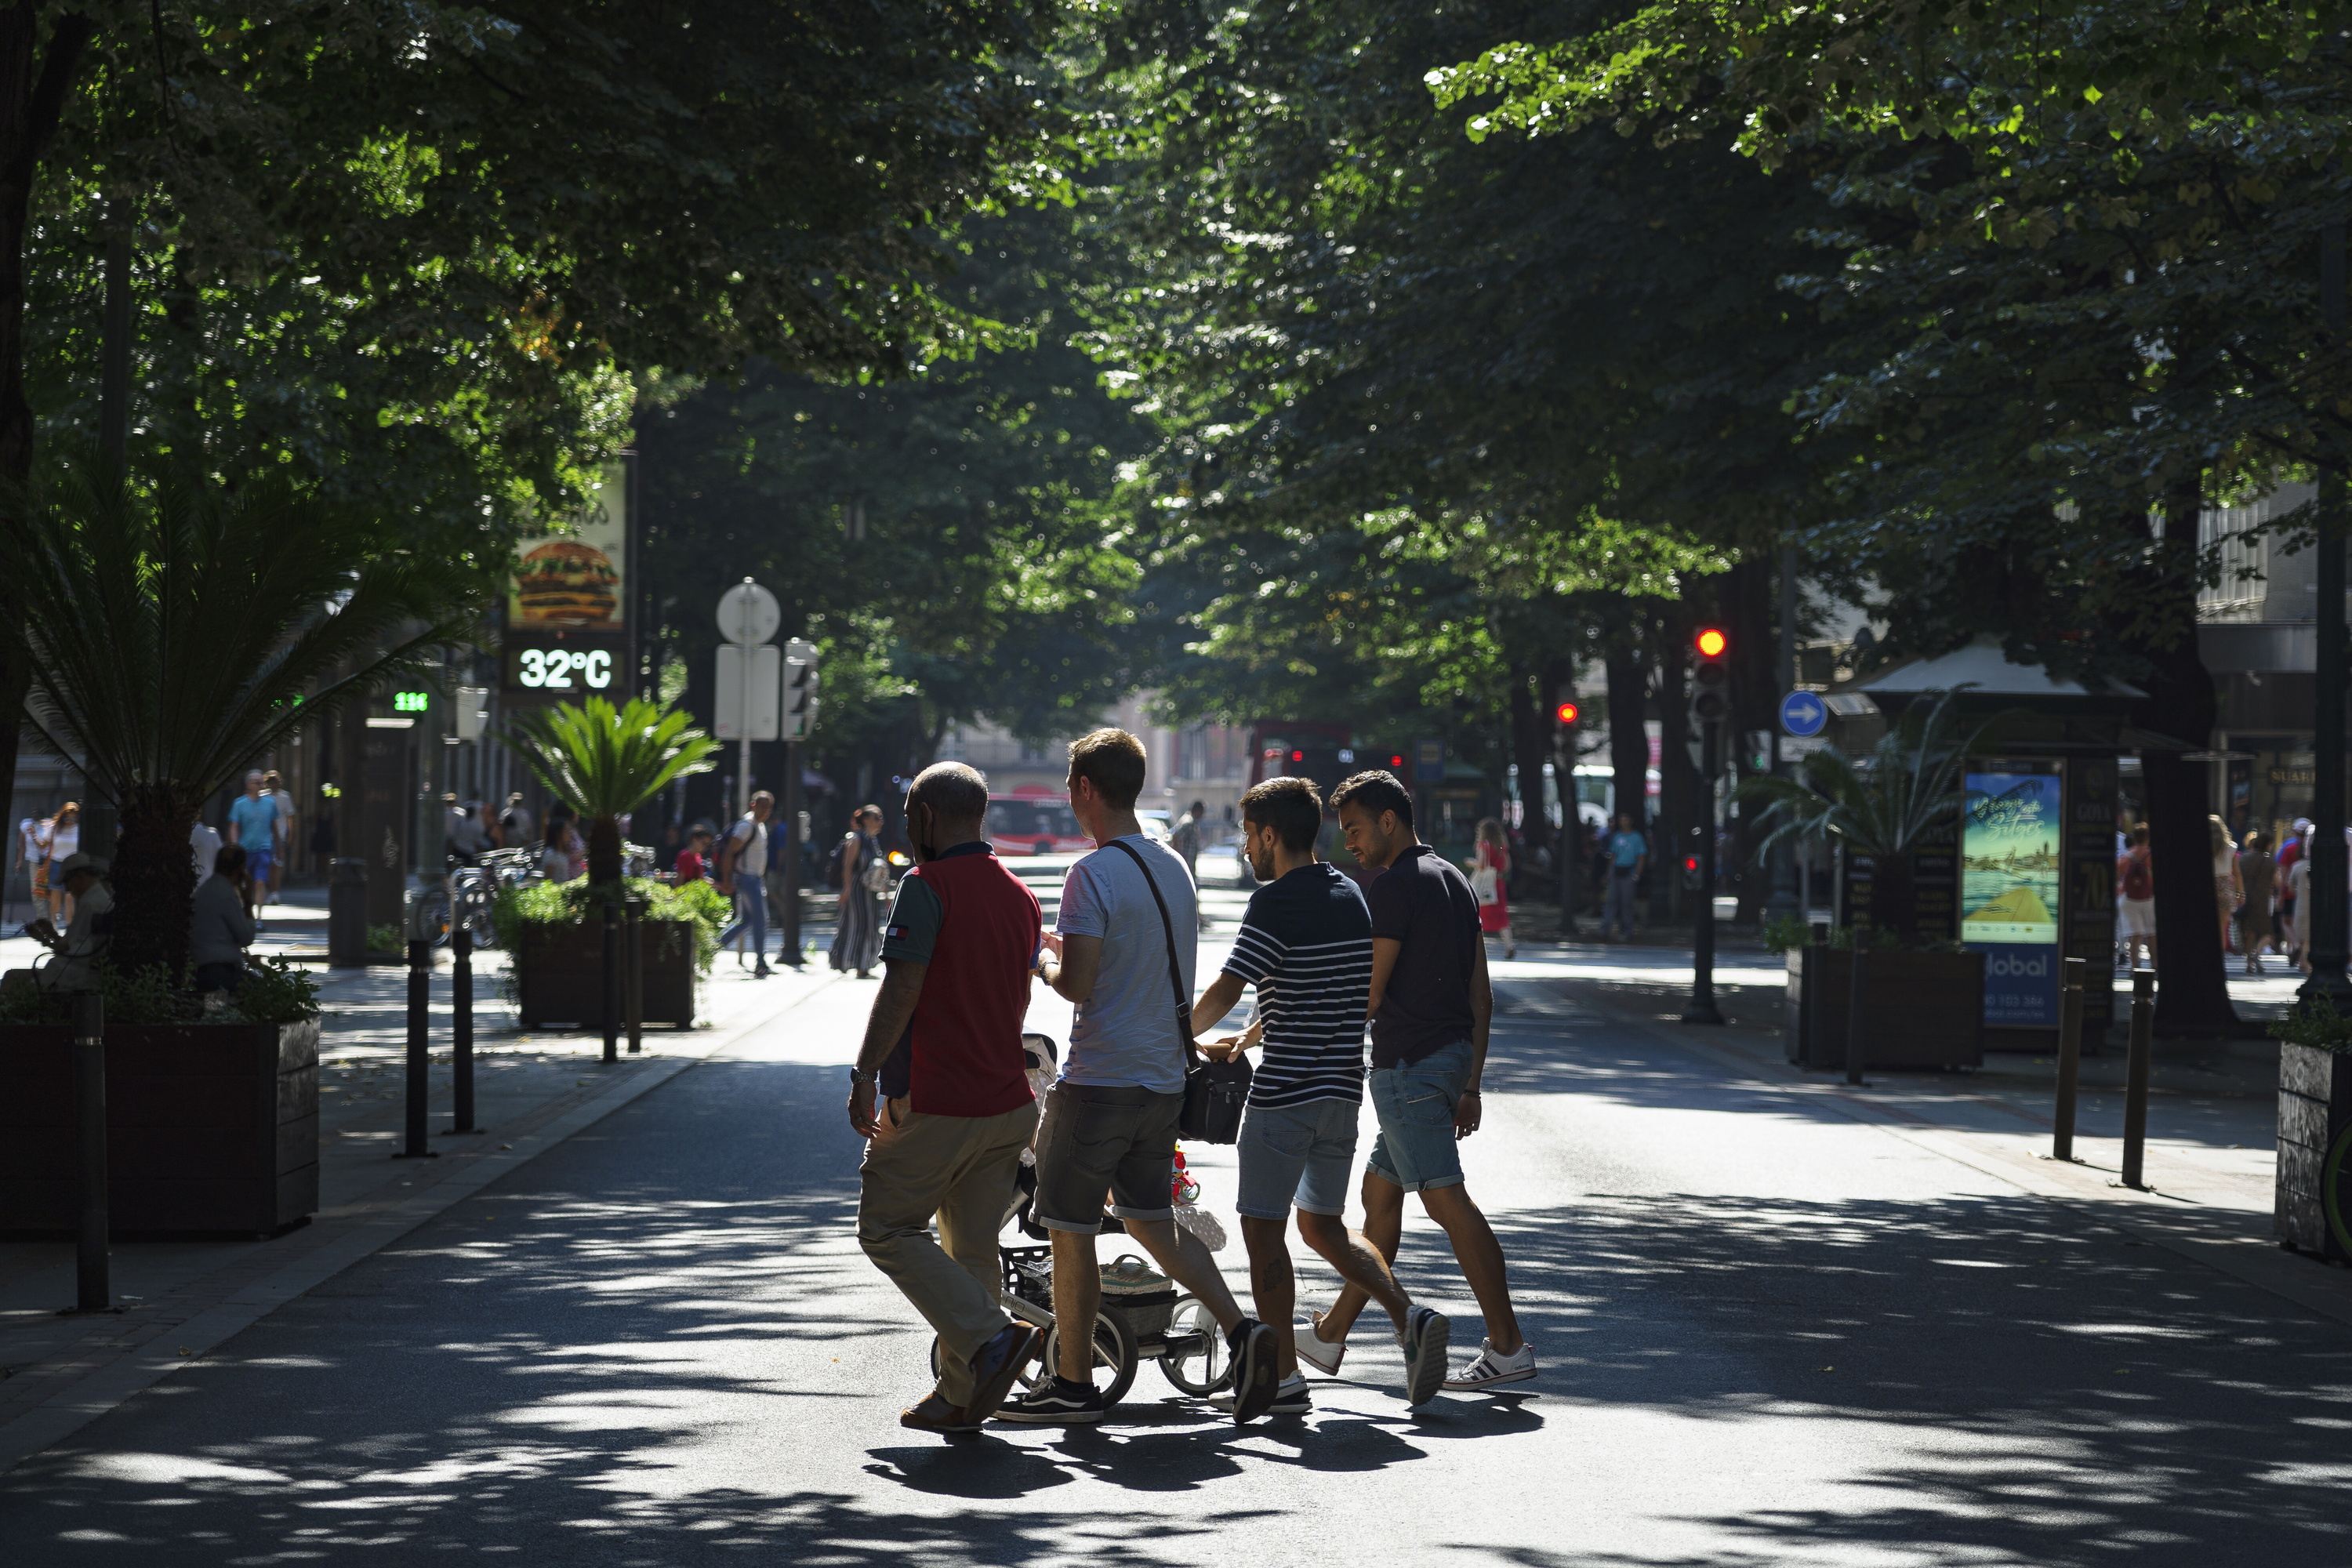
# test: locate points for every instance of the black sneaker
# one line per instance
(1055, 1403)
(1257, 1373)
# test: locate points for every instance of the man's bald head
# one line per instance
(955, 795)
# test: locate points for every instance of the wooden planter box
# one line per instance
(2315, 1113)
(558, 974)
(1920, 1010)
(212, 1129)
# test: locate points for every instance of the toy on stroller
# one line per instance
(1143, 1316)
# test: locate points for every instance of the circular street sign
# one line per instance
(748, 613)
(1804, 714)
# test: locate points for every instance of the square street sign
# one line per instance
(1429, 762)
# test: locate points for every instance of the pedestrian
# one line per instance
(32, 859)
(1124, 953)
(515, 821)
(2290, 911)
(468, 839)
(219, 929)
(2229, 890)
(559, 852)
(253, 827)
(743, 877)
(693, 864)
(81, 946)
(60, 843)
(281, 832)
(1490, 879)
(2298, 883)
(2136, 897)
(942, 1053)
(1305, 942)
(203, 848)
(1629, 856)
(864, 876)
(1431, 1006)
(1185, 839)
(2255, 871)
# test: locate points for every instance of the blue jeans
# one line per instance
(1620, 902)
(1416, 1148)
(1297, 1155)
(752, 898)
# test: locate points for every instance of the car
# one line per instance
(1222, 864)
(1034, 824)
(1157, 823)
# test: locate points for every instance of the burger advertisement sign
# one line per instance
(573, 581)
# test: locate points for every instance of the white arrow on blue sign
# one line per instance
(1804, 714)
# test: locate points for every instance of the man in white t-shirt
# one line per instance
(744, 872)
(1111, 1120)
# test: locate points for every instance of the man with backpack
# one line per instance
(1124, 953)
(743, 873)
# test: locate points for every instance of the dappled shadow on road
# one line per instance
(661, 1350)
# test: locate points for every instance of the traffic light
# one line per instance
(1566, 713)
(800, 689)
(1711, 677)
(1692, 877)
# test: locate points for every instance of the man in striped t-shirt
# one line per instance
(1306, 944)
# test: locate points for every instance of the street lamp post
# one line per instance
(2325, 849)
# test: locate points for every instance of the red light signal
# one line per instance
(1396, 761)
(1690, 862)
(1565, 712)
(1711, 642)
(1297, 756)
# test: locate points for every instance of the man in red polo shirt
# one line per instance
(944, 1041)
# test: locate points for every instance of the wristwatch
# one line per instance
(857, 1078)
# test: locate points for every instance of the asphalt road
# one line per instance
(1767, 1335)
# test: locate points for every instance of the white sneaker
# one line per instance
(1491, 1367)
(1315, 1350)
(1290, 1398)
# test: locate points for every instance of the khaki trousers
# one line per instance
(960, 1169)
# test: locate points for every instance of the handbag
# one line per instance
(1214, 1092)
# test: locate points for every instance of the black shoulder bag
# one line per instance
(1214, 1092)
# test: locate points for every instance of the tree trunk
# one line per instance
(154, 880)
(604, 851)
(2192, 992)
(1629, 743)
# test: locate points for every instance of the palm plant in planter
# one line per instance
(185, 628)
(604, 761)
(1907, 795)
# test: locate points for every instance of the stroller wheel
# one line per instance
(1196, 1360)
(1115, 1348)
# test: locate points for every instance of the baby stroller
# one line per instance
(1144, 1316)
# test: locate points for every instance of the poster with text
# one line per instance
(2010, 872)
(573, 581)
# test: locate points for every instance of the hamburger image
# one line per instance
(568, 583)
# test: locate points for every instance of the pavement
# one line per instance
(1779, 1320)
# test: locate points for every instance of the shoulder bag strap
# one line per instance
(1168, 930)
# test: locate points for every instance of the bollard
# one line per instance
(2070, 1059)
(612, 980)
(347, 923)
(1853, 1042)
(1816, 970)
(413, 1143)
(92, 1290)
(636, 909)
(461, 1028)
(2143, 1041)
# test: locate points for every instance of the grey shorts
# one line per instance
(1096, 1142)
(1299, 1156)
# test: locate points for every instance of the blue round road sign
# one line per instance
(1804, 714)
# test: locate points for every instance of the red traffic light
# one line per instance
(1395, 762)
(1565, 712)
(1711, 642)
(1297, 756)
(1690, 862)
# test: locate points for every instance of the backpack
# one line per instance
(2139, 880)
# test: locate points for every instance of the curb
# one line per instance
(108, 1386)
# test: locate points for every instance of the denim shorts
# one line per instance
(1416, 1148)
(1101, 1146)
(1301, 1155)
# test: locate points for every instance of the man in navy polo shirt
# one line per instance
(946, 1142)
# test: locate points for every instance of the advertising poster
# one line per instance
(2009, 895)
(573, 581)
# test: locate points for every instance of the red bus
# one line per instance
(1033, 820)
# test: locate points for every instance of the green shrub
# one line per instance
(576, 903)
(2314, 1023)
(386, 939)
(274, 991)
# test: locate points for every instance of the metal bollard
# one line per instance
(461, 1028)
(92, 1289)
(635, 910)
(2070, 1059)
(413, 1143)
(1854, 1039)
(2143, 1042)
(612, 980)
